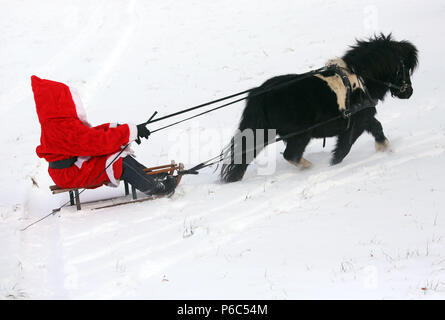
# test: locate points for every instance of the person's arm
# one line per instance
(80, 140)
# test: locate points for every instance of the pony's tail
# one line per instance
(231, 172)
(238, 155)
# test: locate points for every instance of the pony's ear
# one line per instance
(409, 53)
(384, 37)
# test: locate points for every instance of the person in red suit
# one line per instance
(80, 155)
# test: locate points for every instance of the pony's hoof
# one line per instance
(303, 164)
(382, 146)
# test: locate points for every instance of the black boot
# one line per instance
(152, 185)
(164, 187)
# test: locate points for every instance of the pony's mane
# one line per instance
(379, 58)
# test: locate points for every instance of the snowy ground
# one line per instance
(371, 227)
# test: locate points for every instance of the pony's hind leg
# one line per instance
(294, 150)
(344, 143)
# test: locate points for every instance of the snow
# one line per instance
(372, 227)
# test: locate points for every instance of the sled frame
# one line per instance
(170, 169)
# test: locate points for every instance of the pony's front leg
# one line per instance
(294, 150)
(344, 143)
(375, 128)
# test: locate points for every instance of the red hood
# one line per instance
(53, 100)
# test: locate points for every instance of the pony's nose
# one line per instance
(409, 92)
(406, 93)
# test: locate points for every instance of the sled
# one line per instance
(161, 171)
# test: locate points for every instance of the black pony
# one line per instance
(372, 68)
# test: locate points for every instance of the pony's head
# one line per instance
(384, 64)
(408, 62)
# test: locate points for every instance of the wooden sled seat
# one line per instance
(168, 169)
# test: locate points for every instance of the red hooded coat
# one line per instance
(66, 133)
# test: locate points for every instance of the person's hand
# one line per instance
(143, 132)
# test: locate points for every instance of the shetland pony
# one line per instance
(374, 67)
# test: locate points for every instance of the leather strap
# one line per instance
(62, 164)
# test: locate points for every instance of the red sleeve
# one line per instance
(76, 139)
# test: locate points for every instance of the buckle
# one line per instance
(403, 87)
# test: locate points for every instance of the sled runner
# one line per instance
(160, 171)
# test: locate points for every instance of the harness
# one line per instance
(350, 109)
(346, 113)
(404, 85)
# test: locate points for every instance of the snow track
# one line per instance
(132, 238)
